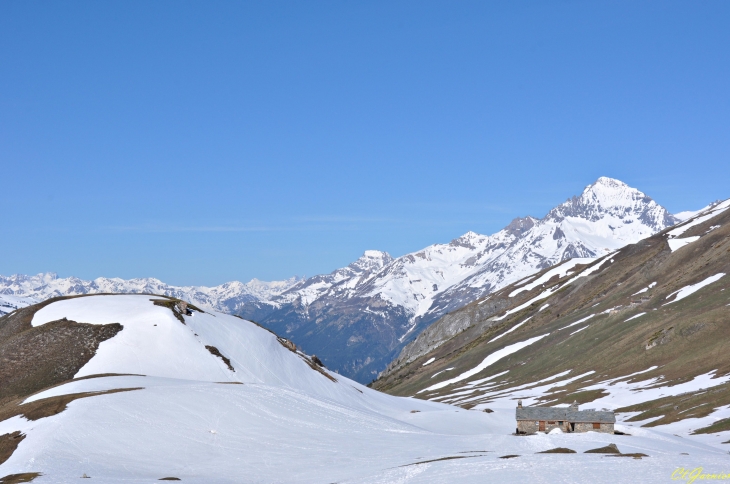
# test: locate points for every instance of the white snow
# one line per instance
(693, 220)
(561, 270)
(510, 330)
(578, 331)
(287, 422)
(578, 322)
(650, 286)
(675, 244)
(225, 297)
(519, 308)
(589, 271)
(682, 228)
(439, 372)
(693, 288)
(9, 303)
(430, 360)
(635, 316)
(489, 360)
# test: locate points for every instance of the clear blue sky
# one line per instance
(201, 142)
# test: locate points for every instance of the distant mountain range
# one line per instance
(358, 318)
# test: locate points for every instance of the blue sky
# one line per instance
(201, 142)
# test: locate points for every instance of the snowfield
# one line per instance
(9, 303)
(275, 419)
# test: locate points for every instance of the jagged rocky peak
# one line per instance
(372, 260)
(470, 240)
(520, 225)
(611, 197)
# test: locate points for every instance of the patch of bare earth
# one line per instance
(609, 449)
(34, 358)
(178, 307)
(18, 478)
(47, 407)
(216, 352)
(8, 444)
(558, 450)
(612, 451)
(312, 361)
(453, 457)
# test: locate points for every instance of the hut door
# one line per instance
(572, 426)
(542, 425)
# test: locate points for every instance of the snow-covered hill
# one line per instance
(210, 398)
(358, 318)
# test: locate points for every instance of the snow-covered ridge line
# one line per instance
(225, 297)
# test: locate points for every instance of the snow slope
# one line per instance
(284, 422)
(9, 303)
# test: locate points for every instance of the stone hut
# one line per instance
(531, 420)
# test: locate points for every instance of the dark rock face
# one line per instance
(349, 339)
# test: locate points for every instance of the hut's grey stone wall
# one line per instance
(588, 427)
(533, 426)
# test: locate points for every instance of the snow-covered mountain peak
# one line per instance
(470, 240)
(616, 203)
(372, 260)
(520, 225)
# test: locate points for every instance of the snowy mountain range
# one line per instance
(21, 290)
(358, 318)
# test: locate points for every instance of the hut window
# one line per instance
(560, 422)
(596, 426)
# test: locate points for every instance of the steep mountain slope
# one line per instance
(358, 327)
(155, 389)
(359, 317)
(642, 330)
